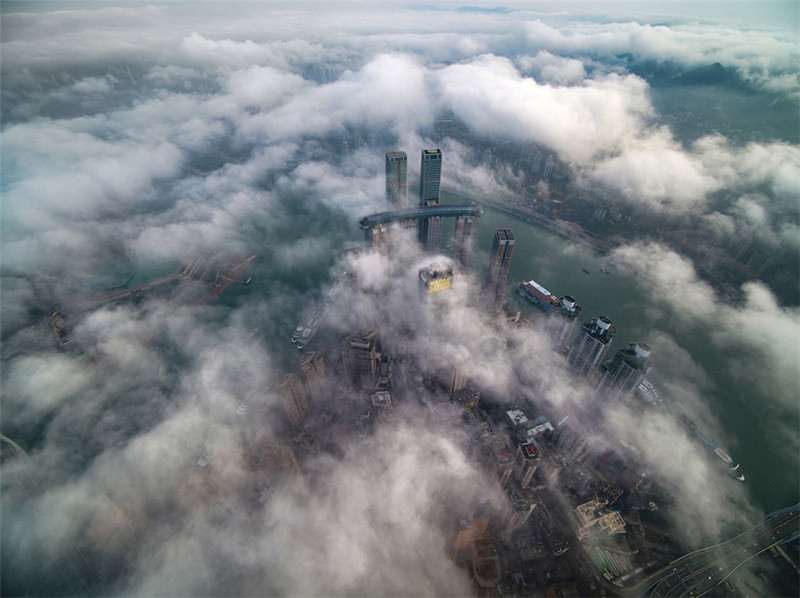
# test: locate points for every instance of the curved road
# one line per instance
(697, 573)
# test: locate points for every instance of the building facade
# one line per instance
(499, 261)
(430, 233)
(361, 357)
(461, 239)
(430, 177)
(430, 180)
(312, 365)
(560, 321)
(624, 372)
(591, 345)
(397, 179)
(293, 398)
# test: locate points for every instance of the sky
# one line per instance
(136, 137)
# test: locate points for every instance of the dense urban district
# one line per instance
(576, 520)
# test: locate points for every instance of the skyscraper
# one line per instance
(397, 179)
(430, 233)
(499, 261)
(461, 239)
(313, 367)
(561, 320)
(591, 345)
(623, 373)
(458, 380)
(293, 398)
(360, 357)
(377, 238)
(430, 178)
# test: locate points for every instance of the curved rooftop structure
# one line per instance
(419, 212)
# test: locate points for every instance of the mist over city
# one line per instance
(399, 299)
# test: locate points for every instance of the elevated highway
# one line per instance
(699, 572)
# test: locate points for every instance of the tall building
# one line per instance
(461, 239)
(361, 357)
(458, 380)
(274, 458)
(397, 179)
(293, 398)
(526, 462)
(499, 261)
(436, 277)
(430, 233)
(591, 345)
(561, 320)
(312, 365)
(623, 373)
(430, 178)
(377, 238)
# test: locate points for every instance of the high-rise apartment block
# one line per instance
(397, 179)
(430, 179)
(293, 398)
(561, 320)
(526, 462)
(591, 345)
(430, 233)
(275, 459)
(377, 238)
(361, 357)
(458, 380)
(312, 365)
(461, 239)
(623, 373)
(499, 261)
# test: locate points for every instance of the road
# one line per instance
(697, 573)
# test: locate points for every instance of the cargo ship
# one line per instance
(537, 294)
(720, 455)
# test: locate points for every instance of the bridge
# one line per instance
(697, 573)
(428, 220)
(419, 213)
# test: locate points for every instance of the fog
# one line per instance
(136, 139)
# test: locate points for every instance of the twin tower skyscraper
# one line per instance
(430, 179)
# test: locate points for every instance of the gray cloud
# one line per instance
(137, 138)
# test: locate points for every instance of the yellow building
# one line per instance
(436, 277)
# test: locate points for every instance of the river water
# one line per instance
(747, 422)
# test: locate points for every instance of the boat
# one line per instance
(648, 393)
(604, 271)
(298, 332)
(585, 271)
(720, 455)
(537, 294)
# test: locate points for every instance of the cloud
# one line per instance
(581, 122)
(554, 69)
(758, 53)
(137, 138)
(759, 324)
